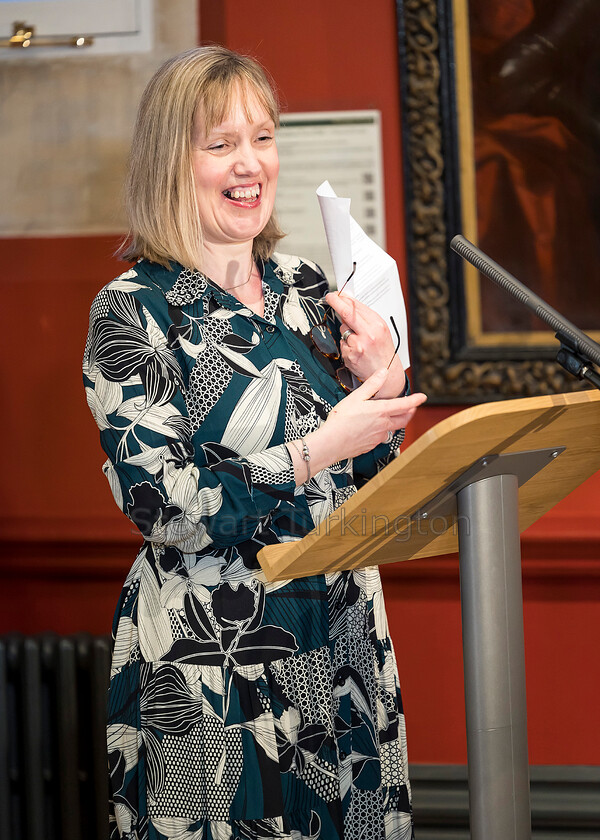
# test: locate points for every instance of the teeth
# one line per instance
(244, 194)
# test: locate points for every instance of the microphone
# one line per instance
(567, 333)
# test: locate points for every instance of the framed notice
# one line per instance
(342, 147)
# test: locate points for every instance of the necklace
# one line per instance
(243, 283)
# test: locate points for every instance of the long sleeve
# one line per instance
(176, 485)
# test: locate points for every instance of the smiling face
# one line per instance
(235, 168)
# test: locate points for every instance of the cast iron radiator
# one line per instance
(53, 764)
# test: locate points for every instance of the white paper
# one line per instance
(376, 281)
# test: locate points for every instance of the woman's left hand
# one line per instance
(369, 345)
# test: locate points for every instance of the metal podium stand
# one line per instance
(500, 466)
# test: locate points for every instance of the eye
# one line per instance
(262, 138)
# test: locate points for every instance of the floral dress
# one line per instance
(237, 708)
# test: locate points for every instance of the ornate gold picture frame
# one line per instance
(456, 358)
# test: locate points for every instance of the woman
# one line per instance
(238, 708)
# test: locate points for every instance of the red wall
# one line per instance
(66, 548)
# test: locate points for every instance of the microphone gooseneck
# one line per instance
(566, 331)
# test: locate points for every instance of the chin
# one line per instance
(247, 233)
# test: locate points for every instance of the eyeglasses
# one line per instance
(321, 334)
(325, 343)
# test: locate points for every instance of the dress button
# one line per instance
(270, 329)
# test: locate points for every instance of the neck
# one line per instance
(228, 266)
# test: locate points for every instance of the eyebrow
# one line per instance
(218, 130)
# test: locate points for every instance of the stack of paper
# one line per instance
(376, 281)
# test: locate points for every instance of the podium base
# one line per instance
(494, 659)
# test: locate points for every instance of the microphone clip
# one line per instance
(573, 362)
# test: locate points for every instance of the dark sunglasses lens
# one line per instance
(346, 379)
(324, 340)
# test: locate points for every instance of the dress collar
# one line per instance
(182, 286)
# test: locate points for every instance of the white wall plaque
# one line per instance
(342, 147)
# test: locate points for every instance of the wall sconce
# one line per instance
(24, 36)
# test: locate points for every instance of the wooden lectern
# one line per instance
(457, 488)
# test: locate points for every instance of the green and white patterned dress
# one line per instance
(237, 708)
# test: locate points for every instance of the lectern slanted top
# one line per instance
(379, 524)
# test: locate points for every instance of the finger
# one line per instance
(363, 314)
(397, 421)
(401, 420)
(362, 320)
(351, 347)
(362, 310)
(346, 309)
(343, 327)
(398, 405)
(370, 386)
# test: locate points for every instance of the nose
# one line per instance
(246, 162)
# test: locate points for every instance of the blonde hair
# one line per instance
(164, 222)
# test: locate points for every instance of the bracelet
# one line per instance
(305, 455)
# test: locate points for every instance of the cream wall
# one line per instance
(65, 128)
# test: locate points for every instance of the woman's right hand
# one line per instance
(358, 423)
